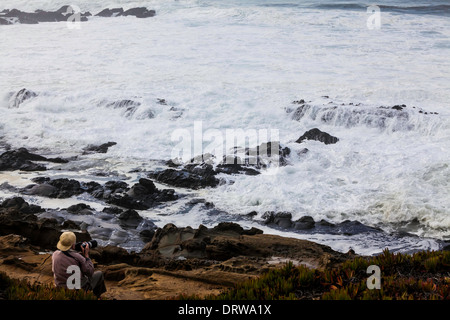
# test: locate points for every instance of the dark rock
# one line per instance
(130, 219)
(18, 217)
(19, 160)
(192, 176)
(103, 148)
(60, 15)
(281, 219)
(80, 208)
(111, 255)
(129, 106)
(21, 205)
(236, 169)
(110, 12)
(141, 196)
(56, 188)
(399, 107)
(304, 223)
(316, 134)
(66, 187)
(42, 190)
(147, 235)
(113, 210)
(140, 12)
(349, 228)
(218, 243)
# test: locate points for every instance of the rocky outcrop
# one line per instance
(200, 171)
(21, 159)
(102, 148)
(191, 176)
(140, 12)
(142, 195)
(283, 220)
(20, 96)
(229, 240)
(19, 217)
(317, 135)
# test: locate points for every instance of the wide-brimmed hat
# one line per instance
(66, 240)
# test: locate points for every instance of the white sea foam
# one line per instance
(241, 66)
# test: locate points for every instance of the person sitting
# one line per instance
(66, 257)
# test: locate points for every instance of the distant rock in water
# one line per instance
(110, 12)
(21, 96)
(62, 14)
(129, 107)
(316, 134)
(67, 13)
(392, 118)
(140, 12)
(102, 148)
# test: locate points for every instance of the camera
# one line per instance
(91, 244)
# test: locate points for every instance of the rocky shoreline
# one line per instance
(142, 260)
(177, 260)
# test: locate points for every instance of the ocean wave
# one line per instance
(442, 9)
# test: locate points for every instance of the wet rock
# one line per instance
(21, 96)
(21, 159)
(102, 148)
(192, 176)
(140, 12)
(129, 107)
(399, 107)
(18, 217)
(56, 188)
(268, 152)
(352, 227)
(21, 205)
(80, 208)
(62, 14)
(304, 223)
(130, 219)
(235, 168)
(316, 134)
(42, 190)
(110, 12)
(282, 219)
(113, 210)
(141, 196)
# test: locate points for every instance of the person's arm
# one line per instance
(87, 267)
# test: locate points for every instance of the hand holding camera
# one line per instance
(84, 247)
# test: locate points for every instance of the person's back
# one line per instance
(61, 261)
